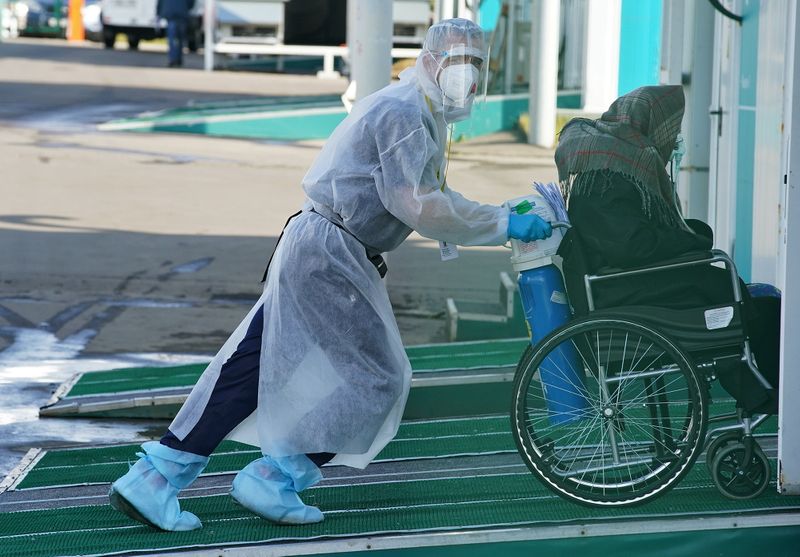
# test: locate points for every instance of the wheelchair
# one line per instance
(642, 377)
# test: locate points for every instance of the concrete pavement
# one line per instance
(93, 221)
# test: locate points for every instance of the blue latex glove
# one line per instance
(528, 227)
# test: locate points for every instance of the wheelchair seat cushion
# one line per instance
(713, 329)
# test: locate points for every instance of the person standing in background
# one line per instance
(176, 12)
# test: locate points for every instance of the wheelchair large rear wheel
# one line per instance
(635, 414)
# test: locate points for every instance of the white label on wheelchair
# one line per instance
(718, 318)
(558, 297)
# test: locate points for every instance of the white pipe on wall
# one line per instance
(446, 9)
(370, 28)
(544, 72)
(511, 25)
(601, 63)
(209, 23)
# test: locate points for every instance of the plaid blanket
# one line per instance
(635, 137)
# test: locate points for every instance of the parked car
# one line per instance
(42, 18)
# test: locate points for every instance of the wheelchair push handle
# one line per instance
(560, 224)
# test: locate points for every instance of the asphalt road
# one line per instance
(120, 248)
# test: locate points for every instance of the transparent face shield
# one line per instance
(675, 159)
(462, 76)
(675, 168)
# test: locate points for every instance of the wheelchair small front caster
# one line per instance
(738, 477)
(720, 441)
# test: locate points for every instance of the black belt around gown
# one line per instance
(376, 260)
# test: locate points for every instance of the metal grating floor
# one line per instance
(437, 477)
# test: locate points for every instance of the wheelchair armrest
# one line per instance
(689, 259)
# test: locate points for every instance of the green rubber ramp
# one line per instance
(414, 440)
(358, 515)
(458, 378)
(422, 439)
(438, 483)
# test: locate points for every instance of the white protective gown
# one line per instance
(334, 373)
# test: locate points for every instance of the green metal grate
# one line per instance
(414, 439)
(423, 505)
(427, 439)
(424, 358)
(136, 379)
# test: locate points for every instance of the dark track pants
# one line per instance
(234, 398)
(176, 38)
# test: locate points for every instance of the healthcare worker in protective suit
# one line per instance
(317, 371)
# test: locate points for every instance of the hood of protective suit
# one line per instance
(445, 40)
(425, 82)
(425, 86)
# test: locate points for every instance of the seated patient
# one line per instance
(625, 213)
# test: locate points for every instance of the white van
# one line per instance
(138, 21)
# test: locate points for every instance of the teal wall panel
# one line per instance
(745, 149)
(494, 115)
(488, 13)
(287, 128)
(749, 53)
(639, 44)
(498, 113)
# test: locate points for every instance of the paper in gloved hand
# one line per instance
(552, 194)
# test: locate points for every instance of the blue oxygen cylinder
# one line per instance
(546, 308)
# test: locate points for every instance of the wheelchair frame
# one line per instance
(661, 452)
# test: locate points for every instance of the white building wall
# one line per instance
(698, 60)
(789, 266)
(687, 58)
(724, 131)
(770, 135)
(673, 25)
(573, 29)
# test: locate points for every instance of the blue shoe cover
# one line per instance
(149, 491)
(268, 487)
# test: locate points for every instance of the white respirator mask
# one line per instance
(459, 83)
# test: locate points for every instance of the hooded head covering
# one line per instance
(635, 137)
(442, 40)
